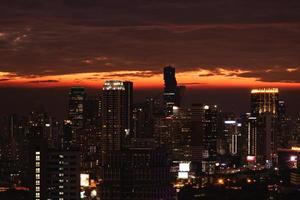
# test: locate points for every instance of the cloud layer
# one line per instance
(251, 39)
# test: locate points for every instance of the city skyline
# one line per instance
(149, 99)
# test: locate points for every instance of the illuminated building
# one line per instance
(77, 97)
(283, 131)
(250, 127)
(265, 108)
(170, 89)
(37, 168)
(63, 174)
(232, 135)
(210, 134)
(113, 115)
(264, 100)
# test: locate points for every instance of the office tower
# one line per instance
(135, 174)
(128, 109)
(211, 123)
(77, 97)
(113, 116)
(112, 138)
(264, 100)
(127, 173)
(283, 129)
(67, 133)
(232, 136)
(180, 128)
(264, 109)
(249, 136)
(37, 167)
(266, 139)
(197, 119)
(63, 174)
(170, 90)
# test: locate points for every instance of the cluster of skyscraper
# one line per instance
(138, 150)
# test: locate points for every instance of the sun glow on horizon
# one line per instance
(142, 79)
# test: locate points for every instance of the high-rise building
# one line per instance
(283, 130)
(197, 119)
(136, 173)
(113, 116)
(127, 173)
(170, 89)
(77, 97)
(210, 135)
(264, 100)
(264, 127)
(63, 174)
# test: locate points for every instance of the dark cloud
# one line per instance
(145, 74)
(43, 81)
(54, 37)
(4, 79)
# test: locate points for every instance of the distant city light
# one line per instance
(265, 90)
(175, 107)
(184, 167)
(251, 158)
(84, 180)
(296, 148)
(221, 181)
(293, 158)
(93, 193)
(183, 175)
(230, 122)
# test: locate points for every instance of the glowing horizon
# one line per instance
(141, 80)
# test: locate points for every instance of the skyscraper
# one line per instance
(264, 109)
(77, 96)
(264, 100)
(113, 115)
(170, 89)
(211, 122)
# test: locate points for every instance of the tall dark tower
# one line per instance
(170, 90)
(77, 97)
(113, 115)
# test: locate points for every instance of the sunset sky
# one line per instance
(212, 44)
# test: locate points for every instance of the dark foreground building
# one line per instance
(136, 174)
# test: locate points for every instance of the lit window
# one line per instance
(37, 170)
(37, 164)
(37, 182)
(37, 158)
(37, 176)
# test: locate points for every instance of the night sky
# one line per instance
(220, 48)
